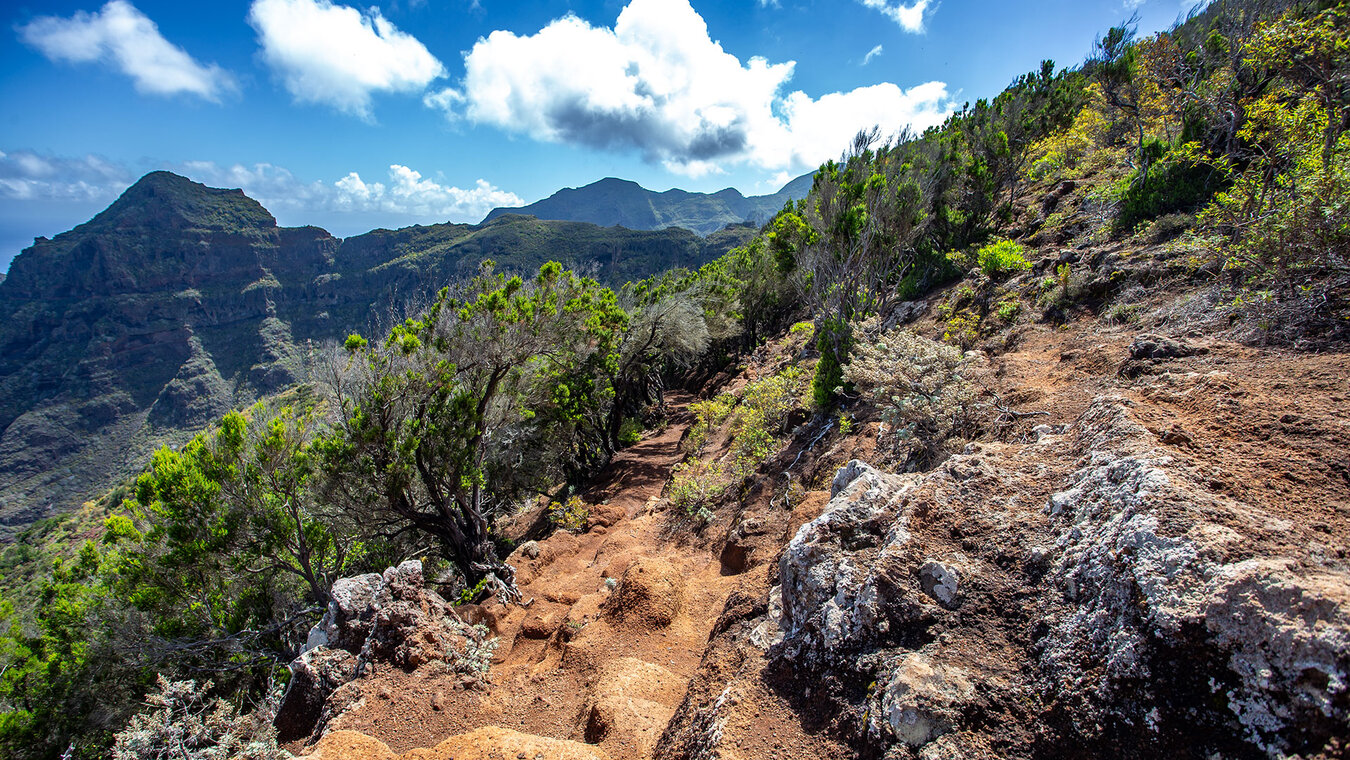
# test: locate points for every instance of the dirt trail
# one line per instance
(566, 668)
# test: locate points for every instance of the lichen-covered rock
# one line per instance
(315, 675)
(920, 700)
(346, 624)
(1153, 564)
(843, 575)
(940, 582)
(1146, 622)
(1289, 643)
(390, 617)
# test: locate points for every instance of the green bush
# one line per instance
(1176, 180)
(708, 417)
(829, 377)
(570, 515)
(630, 431)
(765, 406)
(695, 487)
(1002, 257)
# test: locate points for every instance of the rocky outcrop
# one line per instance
(373, 620)
(1156, 568)
(843, 576)
(1130, 601)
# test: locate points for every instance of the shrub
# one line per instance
(962, 328)
(829, 377)
(708, 417)
(630, 431)
(570, 515)
(472, 654)
(695, 487)
(1177, 179)
(764, 409)
(1170, 227)
(1002, 257)
(921, 390)
(1008, 310)
(183, 724)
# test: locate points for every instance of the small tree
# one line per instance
(227, 550)
(867, 216)
(431, 419)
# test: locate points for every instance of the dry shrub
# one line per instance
(921, 388)
(184, 724)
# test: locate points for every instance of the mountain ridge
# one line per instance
(612, 202)
(180, 302)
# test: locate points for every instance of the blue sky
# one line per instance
(422, 111)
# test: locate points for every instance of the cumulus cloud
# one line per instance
(406, 193)
(909, 17)
(337, 56)
(122, 36)
(409, 193)
(658, 83)
(873, 53)
(29, 176)
(406, 196)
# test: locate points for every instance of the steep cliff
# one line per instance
(181, 301)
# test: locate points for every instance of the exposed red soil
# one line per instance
(1266, 427)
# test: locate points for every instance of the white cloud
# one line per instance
(406, 194)
(409, 193)
(335, 55)
(873, 53)
(28, 176)
(835, 118)
(406, 197)
(120, 35)
(909, 17)
(657, 83)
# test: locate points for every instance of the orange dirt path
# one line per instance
(564, 669)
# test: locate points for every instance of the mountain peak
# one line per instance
(612, 201)
(612, 182)
(164, 199)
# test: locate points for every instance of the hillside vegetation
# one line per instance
(921, 510)
(181, 302)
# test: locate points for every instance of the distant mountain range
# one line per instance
(180, 302)
(612, 202)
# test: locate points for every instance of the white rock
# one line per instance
(940, 582)
(922, 700)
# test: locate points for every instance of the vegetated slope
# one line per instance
(180, 302)
(1143, 551)
(609, 202)
(1062, 507)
